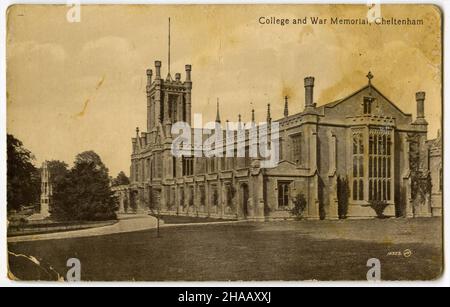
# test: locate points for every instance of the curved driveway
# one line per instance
(126, 223)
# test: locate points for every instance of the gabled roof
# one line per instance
(337, 102)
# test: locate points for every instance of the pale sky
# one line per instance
(81, 86)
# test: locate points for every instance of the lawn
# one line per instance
(288, 250)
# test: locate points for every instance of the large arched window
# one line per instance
(380, 141)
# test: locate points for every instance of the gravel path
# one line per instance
(126, 223)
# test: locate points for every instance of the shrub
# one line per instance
(379, 206)
(125, 204)
(300, 204)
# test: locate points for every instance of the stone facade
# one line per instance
(345, 157)
(436, 173)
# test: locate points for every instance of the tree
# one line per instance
(23, 180)
(84, 193)
(91, 156)
(343, 193)
(121, 179)
(58, 170)
(420, 177)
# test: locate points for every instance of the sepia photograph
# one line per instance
(263, 142)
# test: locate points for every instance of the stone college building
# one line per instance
(347, 159)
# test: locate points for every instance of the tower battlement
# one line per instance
(168, 99)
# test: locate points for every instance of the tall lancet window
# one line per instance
(358, 166)
(296, 148)
(367, 105)
(173, 108)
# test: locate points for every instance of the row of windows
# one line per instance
(188, 166)
(174, 102)
(380, 144)
(380, 167)
(148, 168)
(188, 195)
(225, 163)
(379, 189)
(211, 165)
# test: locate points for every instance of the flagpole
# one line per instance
(169, 49)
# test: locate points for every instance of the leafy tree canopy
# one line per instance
(91, 157)
(58, 170)
(121, 179)
(84, 193)
(23, 180)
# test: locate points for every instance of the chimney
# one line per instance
(420, 98)
(309, 91)
(149, 77)
(188, 69)
(158, 69)
(286, 110)
(178, 77)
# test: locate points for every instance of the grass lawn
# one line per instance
(288, 250)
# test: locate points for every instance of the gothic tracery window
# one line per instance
(380, 163)
(377, 178)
